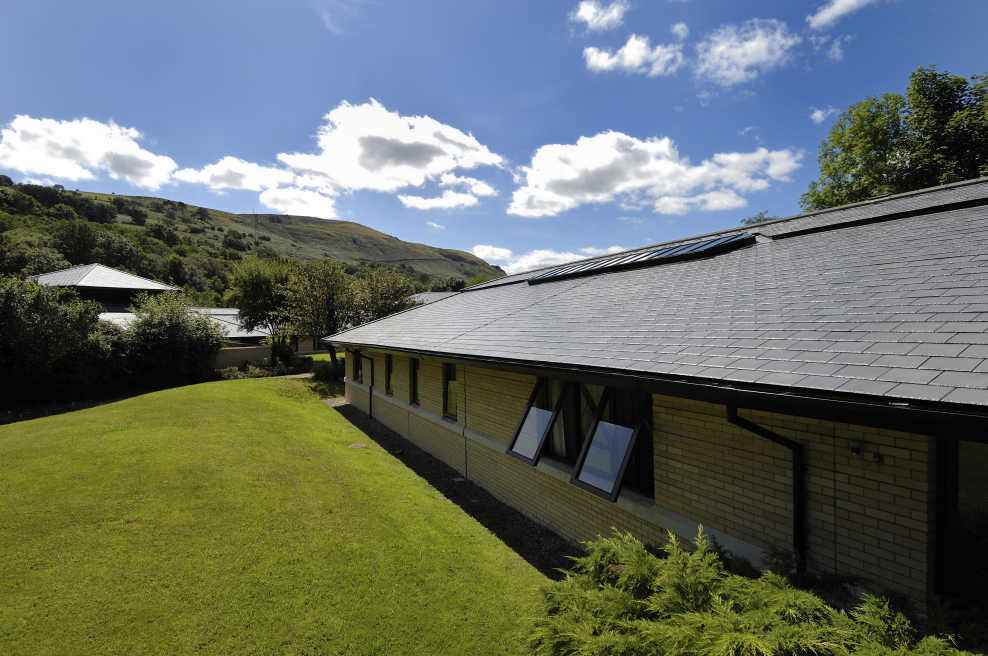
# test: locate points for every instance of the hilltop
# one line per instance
(196, 247)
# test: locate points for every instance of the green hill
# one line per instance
(42, 228)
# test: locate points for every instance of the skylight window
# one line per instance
(662, 255)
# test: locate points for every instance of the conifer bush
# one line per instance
(621, 600)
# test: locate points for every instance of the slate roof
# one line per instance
(894, 307)
(97, 275)
(430, 297)
(226, 318)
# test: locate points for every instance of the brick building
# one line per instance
(816, 385)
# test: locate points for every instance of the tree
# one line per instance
(381, 292)
(76, 240)
(761, 217)
(319, 300)
(259, 287)
(935, 134)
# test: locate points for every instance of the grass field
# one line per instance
(234, 517)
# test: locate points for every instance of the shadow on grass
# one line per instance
(545, 550)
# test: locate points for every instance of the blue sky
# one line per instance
(528, 132)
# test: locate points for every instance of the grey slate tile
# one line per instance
(854, 358)
(904, 361)
(951, 364)
(891, 348)
(921, 392)
(818, 368)
(778, 378)
(938, 349)
(917, 376)
(874, 387)
(962, 379)
(968, 396)
(860, 371)
(975, 351)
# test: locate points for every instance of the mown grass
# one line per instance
(234, 517)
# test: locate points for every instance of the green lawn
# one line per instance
(231, 518)
(325, 357)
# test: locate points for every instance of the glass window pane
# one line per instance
(451, 398)
(602, 465)
(531, 432)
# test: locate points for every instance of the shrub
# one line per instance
(170, 345)
(326, 372)
(619, 599)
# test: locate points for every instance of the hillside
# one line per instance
(42, 228)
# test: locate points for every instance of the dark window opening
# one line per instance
(388, 368)
(579, 406)
(413, 381)
(538, 421)
(358, 369)
(963, 521)
(449, 391)
(613, 455)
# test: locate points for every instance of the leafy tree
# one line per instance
(63, 212)
(452, 284)
(381, 292)
(319, 299)
(259, 291)
(935, 134)
(76, 240)
(170, 344)
(114, 250)
(761, 217)
(43, 333)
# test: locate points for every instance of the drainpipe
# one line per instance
(798, 482)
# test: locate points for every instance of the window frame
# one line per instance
(388, 370)
(585, 449)
(534, 460)
(413, 381)
(446, 380)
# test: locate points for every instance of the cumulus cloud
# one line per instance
(435, 226)
(734, 54)
(830, 12)
(614, 166)
(535, 259)
(818, 116)
(369, 147)
(636, 56)
(680, 30)
(302, 202)
(80, 149)
(235, 173)
(448, 200)
(492, 253)
(590, 251)
(476, 187)
(598, 17)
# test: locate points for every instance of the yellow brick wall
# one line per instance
(730, 479)
(865, 518)
(399, 377)
(495, 401)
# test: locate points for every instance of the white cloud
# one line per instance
(636, 56)
(493, 253)
(590, 251)
(541, 257)
(734, 54)
(369, 147)
(434, 225)
(448, 200)
(80, 149)
(235, 173)
(612, 166)
(818, 116)
(476, 187)
(301, 202)
(598, 17)
(829, 13)
(680, 30)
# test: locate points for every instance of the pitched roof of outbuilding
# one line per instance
(97, 275)
(887, 298)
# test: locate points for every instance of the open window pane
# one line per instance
(602, 465)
